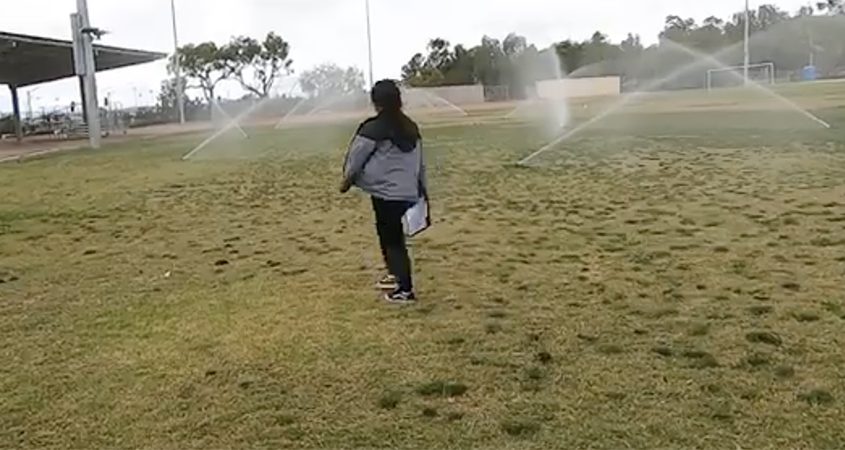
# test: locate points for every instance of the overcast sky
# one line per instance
(333, 30)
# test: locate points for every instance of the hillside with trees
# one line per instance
(789, 40)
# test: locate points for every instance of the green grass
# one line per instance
(649, 284)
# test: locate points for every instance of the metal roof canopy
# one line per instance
(26, 60)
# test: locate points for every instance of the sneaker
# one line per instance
(388, 283)
(399, 297)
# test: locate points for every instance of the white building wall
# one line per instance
(579, 87)
(457, 95)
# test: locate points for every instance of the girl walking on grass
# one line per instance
(385, 161)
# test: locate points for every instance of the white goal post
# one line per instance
(758, 73)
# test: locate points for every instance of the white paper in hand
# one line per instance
(417, 219)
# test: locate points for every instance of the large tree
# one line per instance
(413, 70)
(461, 70)
(806, 11)
(168, 99)
(439, 54)
(632, 45)
(329, 79)
(571, 54)
(520, 65)
(202, 66)
(770, 15)
(832, 7)
(257, 65)
(678, 29)
(489, 59)
(419, 71)
(441, 66)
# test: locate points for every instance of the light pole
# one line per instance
(83, 38)
(369, 41)
(177, 67)
(29, 101)
(746, 45)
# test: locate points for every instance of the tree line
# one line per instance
(256, 65)
(790, 40)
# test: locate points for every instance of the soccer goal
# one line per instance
(762, 73)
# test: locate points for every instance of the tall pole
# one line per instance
(29, 104)
(177, 67)
(369, 42)
(747, 38)
(88, 72)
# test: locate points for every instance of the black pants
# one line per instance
(391, 235)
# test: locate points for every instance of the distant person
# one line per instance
(385, 160)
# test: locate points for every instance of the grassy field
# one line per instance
(669, 278)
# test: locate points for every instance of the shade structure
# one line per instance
(26, 60)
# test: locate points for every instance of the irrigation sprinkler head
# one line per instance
(523, 164)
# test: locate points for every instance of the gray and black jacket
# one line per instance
(384, 165)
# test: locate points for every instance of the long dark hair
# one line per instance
(387, 97)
